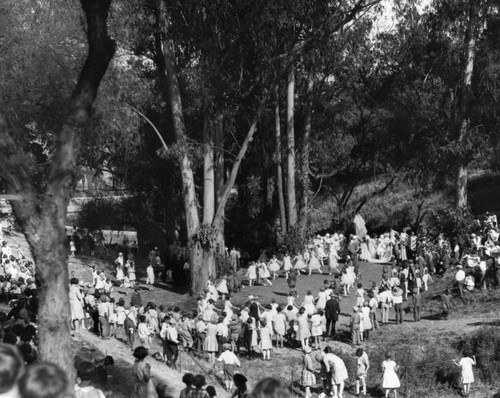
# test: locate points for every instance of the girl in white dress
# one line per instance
(467, 376)
(266, 344)
(299, 263)
(316, 328)
(314, 264)
(321, 299)
(333, 259)
(273, 267)
(287, 264)
(348, 278)
(264, 273)
(290, 300)
(222, 287)
(390, 381)
(308, 303)
(252, 274)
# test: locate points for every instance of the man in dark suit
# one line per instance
(332, 311)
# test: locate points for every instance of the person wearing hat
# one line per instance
(229, 362)
(170, 338)
(308, 374)
(355, 325)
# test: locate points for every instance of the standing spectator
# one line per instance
(103, 311)
(446, 303)
(143, 332)
(355, 325)
(308, 377)
(390, 380)
(467, 376)
(144, 386)
(460, 280)
(332, 311)
(397, 299)
(416, 303)
(171, 345)
(363, 364)
(338, 372)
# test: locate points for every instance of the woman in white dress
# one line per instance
(467, 376)
(390, 381)
(222, 287)
(314, 264)
(308, 303)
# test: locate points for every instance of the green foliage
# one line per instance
(222, 265)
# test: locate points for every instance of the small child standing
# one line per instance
(446, 303)
(144, 332)
(150, 278)
(467, 376)
(360, 296)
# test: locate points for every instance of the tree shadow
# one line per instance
(483, 323)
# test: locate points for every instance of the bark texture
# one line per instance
(279, 169)
(42, 216)
(290, 152)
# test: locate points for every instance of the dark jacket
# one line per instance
(332, 309)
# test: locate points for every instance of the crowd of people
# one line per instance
(222, 332)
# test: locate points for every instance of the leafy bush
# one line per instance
(293, 242)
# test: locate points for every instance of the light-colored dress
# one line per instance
(144, 387)
(252, 272)
(287, 263)
(391, 379)
(303, 324)
(308, 305)
(119, 273)
(337, 368)
(365, 319)
(314, 263)
(299, 262)
(273, 266)
(210, 344)
(467, 373)
(265, 338)
(222, 287)
(280, 324)
(316, 325)
(321, 302)
(76, 303)
(264, 272)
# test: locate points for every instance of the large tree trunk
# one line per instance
(279, 171)
(220, 183)
(474, 26)
(306, 144)
(290, 154)
(187, 175)
(43, 217)
(208, 169)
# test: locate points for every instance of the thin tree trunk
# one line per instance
(279, 171)
(208, 170)
(474, 24)
(219, 180)
(42, 217)
(290, 154)
(306, 145)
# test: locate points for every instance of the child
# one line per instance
(391, 379)
(84, 389)
(426, 279)
(187, 379)
(143, 332)
(240, 382)
(43, 380)
(316, 327)
(265, 340)
(252, 274)
(279, 326)
(129, 325)
(229, 362)
(363, 364)
(274, 267)
(222, 287)
(467, 376)
(211, 391)
(292, 281)
(360, 296)
(150, 279)
(197, 391)
(72, 248)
